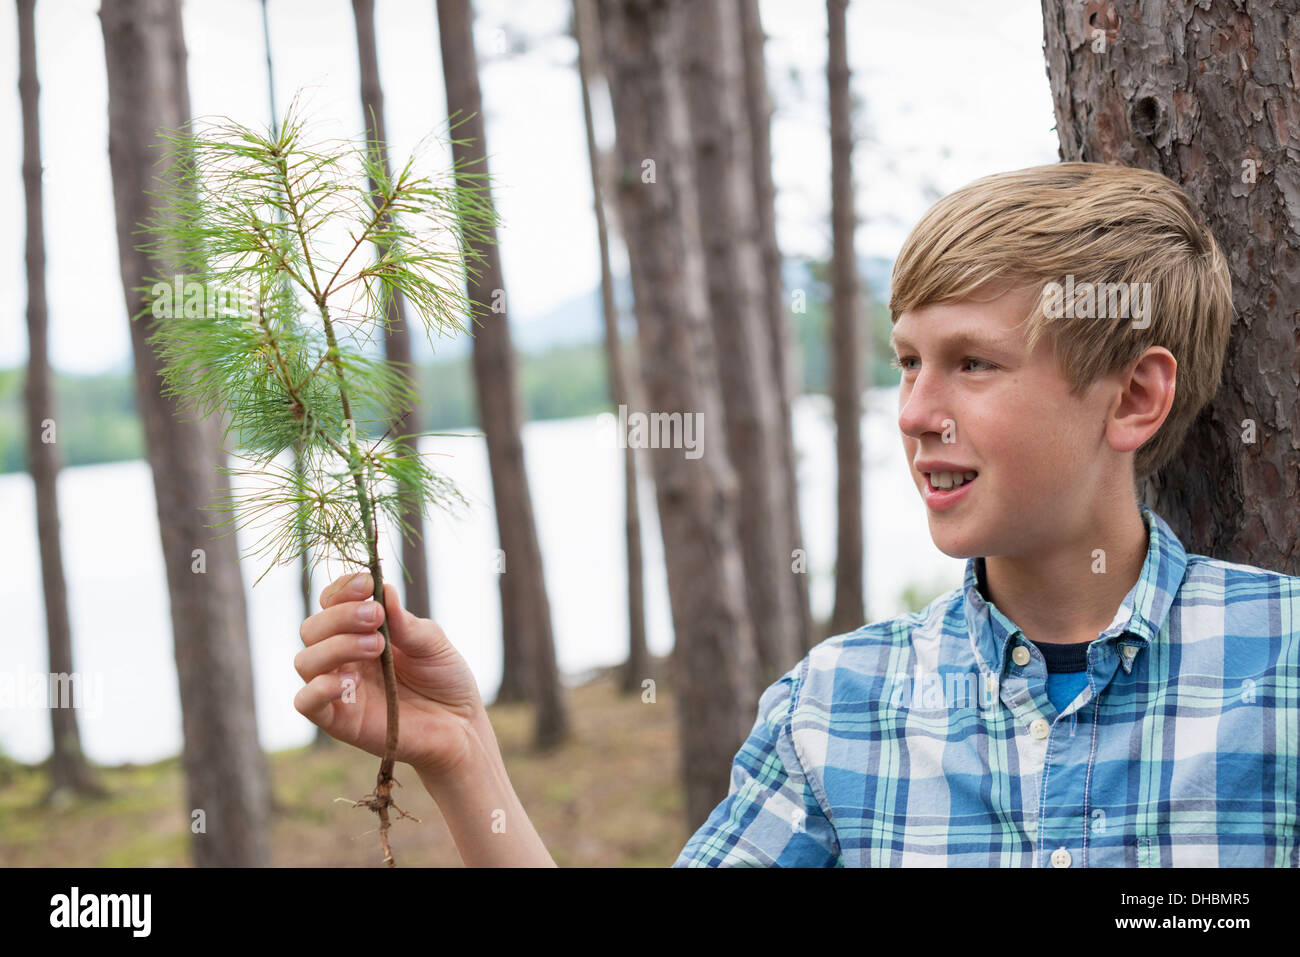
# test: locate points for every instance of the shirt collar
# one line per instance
(1137, 622)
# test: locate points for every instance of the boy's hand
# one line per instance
(438, 699)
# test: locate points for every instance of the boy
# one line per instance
(1092, 695)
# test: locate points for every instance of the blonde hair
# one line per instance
(1080, 225)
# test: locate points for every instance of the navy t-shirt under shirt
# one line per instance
(1067, 665)
(1067, 670)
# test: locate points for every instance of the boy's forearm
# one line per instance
(482, 811)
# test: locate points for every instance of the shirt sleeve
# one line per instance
(770, 817)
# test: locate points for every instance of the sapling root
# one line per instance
(380, 799)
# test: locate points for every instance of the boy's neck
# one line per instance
(1055, 596)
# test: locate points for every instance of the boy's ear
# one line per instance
(1146, 396)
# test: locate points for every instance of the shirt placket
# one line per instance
(1056, 759)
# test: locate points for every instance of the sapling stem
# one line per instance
(380, 799)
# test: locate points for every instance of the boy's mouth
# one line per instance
(946, 481)
(945, 487)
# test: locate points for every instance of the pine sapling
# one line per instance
(283, 258)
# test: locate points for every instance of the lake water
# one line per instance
(121, 625)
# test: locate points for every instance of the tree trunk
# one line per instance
(1207, 96)
(785, 356)
(69, 770)
(622, 378)
(397, 344)
(713, 82)
(714, 659)
(846, 339)
(228, 789)
(321, 739)
(525, 609)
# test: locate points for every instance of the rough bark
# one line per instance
(784, 348)
(225, 769)
(1204, 94)
(397, 343)
(69, 770)
(846, 340)
(713, 83)
(623, 386)
(715, 664)
(525, 609)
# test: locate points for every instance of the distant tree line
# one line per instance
(99, 421)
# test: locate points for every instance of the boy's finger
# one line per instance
(357, 617)
(334, 652)
(347, 588)
(313, 699)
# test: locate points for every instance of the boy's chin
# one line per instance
(953, 542)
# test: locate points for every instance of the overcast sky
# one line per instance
(950, 91)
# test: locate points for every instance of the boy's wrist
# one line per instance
(480, 808)
(482, 755)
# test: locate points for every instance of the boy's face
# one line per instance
(971, 396)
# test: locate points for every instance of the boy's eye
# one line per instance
(901, 362)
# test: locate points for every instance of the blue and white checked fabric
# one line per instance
(919, 741)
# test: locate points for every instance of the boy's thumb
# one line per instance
(403, 627)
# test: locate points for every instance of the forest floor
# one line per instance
(610, 797)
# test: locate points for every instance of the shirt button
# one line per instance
(1038, 728)
(1060, 857)
(1130, 651)
(1020, 655)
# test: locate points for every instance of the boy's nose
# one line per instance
(923, 408)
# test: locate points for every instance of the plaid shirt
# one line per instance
(928, 739)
